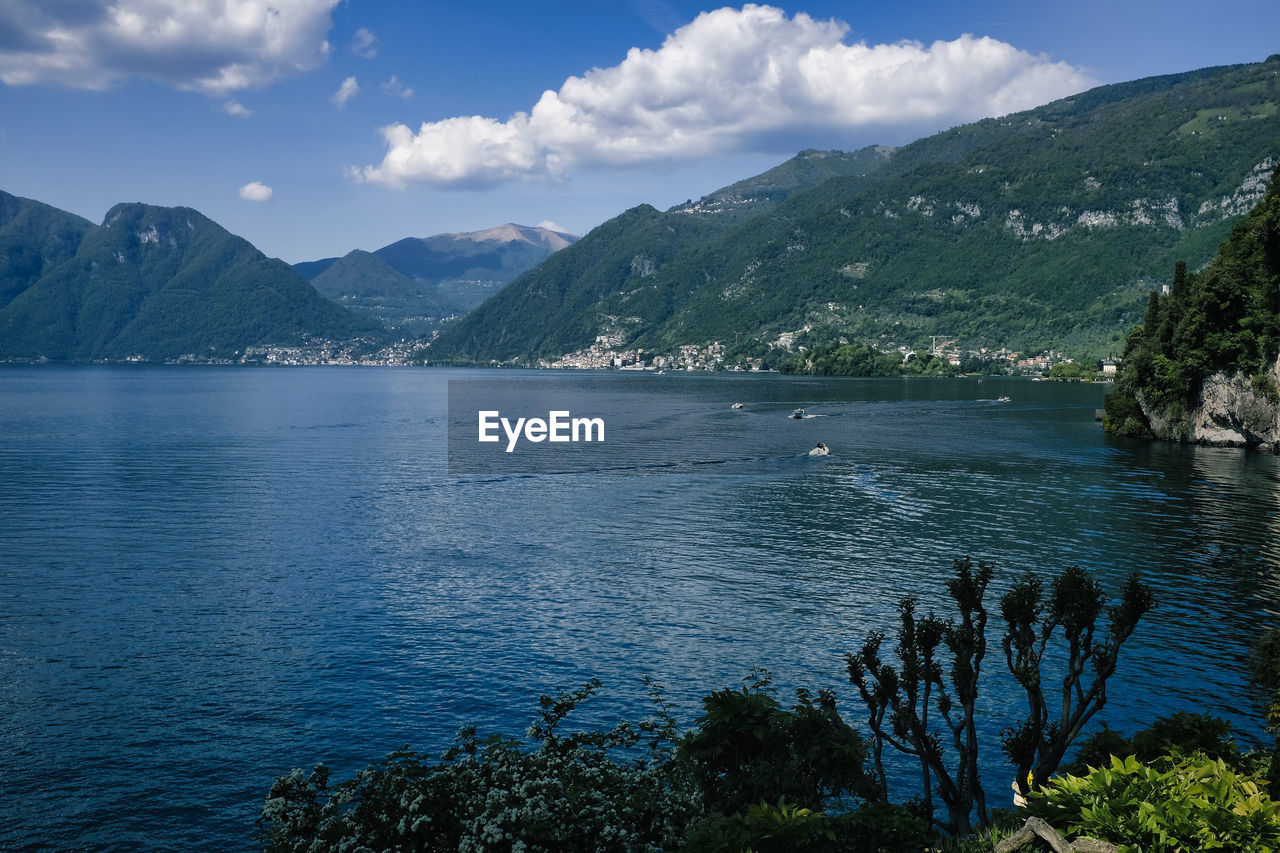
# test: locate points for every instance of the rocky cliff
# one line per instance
(1233, 410)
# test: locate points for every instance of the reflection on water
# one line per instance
(212, 576)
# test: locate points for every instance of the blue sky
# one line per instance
(313, 127)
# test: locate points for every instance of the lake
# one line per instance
(209, 576)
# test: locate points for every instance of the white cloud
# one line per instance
(396, 89)
(256, 191)
(551, 226)
(211, 47)
(364, 44)
(348, 90)
(732, 80)
(234, 108)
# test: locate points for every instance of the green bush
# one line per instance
(748, 749)
(763, 828)
(617, 790)
(1184, 733)
(636, 788)
(1175, 806)
(787, 828)
(1264, 660)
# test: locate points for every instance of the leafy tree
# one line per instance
(1224, 318)
(748, 749)
(901, 701)
(1074, 606)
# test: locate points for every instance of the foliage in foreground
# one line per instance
(1174, 805)
(751, 775)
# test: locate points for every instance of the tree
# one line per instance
(1075, 605)
(902, 701)
(747, 748)
(908, 695)
(1264, 661)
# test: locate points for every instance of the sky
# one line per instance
(314, 127)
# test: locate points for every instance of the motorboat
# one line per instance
(798, 414)
(1003, 399)
(820, 450)
(736, 406)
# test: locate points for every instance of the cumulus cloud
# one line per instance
(348, 90)
(731, 80)
(211, 47)
(234, 108)
(551, 226)
(364, 44)
(255, 191)
(396, 89)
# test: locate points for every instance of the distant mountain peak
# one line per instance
(512, 233)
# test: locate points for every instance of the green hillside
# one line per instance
(554, 307)
(1041, 229)
(34, 238)
(163, 283)
(414, 285)
(366, 284)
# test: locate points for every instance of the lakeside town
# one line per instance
(608, 352)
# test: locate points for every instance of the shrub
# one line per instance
(617, 790)
(1264, 660)
(1175, 806)
(1181, 733)
(636, 788)
(787, 828)
(748, 749)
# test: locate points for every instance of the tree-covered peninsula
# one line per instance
(1204, 366)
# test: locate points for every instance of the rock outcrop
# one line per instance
(1231, 412)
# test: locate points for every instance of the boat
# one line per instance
(736, 406)
(820, 450)
(798, 414)
(1003, 399)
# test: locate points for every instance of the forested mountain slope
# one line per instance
(1045, 228)
(161, 283)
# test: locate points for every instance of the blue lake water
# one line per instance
(211, 576)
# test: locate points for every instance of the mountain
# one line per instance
(1204, 366)
(160, 283)
(554, 308)
(34, 237)
(1041, 229)
(368, 285)
(412, 285)
(753, 196)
